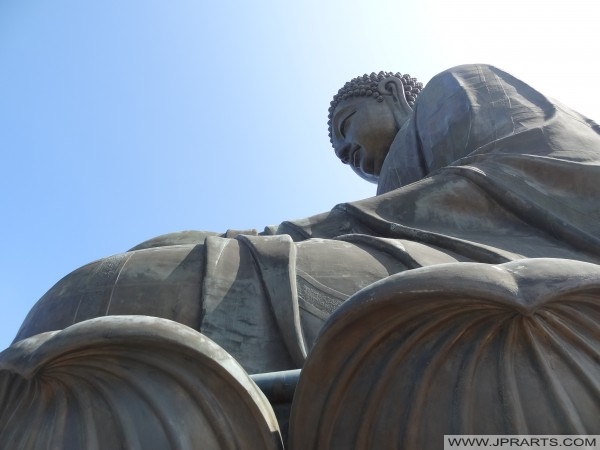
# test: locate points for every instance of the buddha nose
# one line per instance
(344, 153)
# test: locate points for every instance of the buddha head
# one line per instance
(365, 117)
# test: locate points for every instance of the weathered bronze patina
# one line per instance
(465, 295)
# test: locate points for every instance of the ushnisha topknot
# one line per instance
(368, 86)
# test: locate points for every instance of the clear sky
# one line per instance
(121, 120)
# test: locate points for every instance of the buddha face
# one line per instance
(362, 132)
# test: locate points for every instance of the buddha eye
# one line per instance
(344, 124)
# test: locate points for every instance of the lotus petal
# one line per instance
(132, 382)
(461, 348)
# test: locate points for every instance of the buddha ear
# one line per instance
(393, 88)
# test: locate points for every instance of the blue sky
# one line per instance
(123, 120)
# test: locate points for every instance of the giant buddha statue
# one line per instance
(486, 218)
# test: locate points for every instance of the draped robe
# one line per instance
(487, 170)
